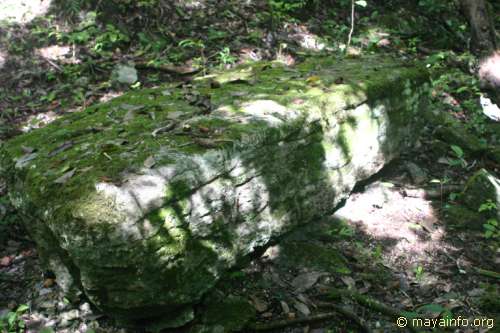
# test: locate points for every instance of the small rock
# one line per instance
(349, 282)
(305, 281)
(267, 315)
(302, 308)
(149, 162)
(44, 291)
(85, 309)
(303, 299)
(417, 174)
(284, 307)
(61, 306)
(126, 74)
(50, 304)
(259, 304)
(67, 317)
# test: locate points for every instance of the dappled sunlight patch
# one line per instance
(22, 11)
(269, 111)
(54, 52)
(306, 39)
(39, 120)
(376, 36)
(192, 4)
(489, 71)
(409, 225)
(110, 95)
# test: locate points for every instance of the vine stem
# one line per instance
(352, 27)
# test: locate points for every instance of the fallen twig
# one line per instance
(53, 64)
(346, 313)
(284, 323)
(178, 70)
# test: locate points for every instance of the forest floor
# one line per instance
(390, 241)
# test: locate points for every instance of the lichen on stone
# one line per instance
(148, 199)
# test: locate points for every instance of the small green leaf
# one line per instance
(431, 308)
(457, 150)
(11, 318)
(489, 227)
(492, 222)
(22, 308)
(361, 3)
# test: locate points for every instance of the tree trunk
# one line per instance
(483, 37)
(484, 46)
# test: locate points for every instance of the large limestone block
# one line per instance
(144, 202)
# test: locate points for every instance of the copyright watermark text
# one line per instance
(445, 322)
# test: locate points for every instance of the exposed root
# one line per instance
(370, 303)
(291, 322)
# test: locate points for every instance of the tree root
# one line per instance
(360, 299)
(350, 315)
(346, 313)
(371, 303)
(484, 272)
(291, 322)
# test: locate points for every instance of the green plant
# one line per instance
(50, 97)
(419, 273)
(487, 206)
(111, 38)
(195, 44)
(377, 253)
(342, 230)
(281, 10)
(491, 229)
(225, 57)
(346, 231)
(214, 34)
(12, 321)
(459, 154)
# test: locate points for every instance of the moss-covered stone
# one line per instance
(482, 193)
(463, 217)
(494, 154)
(453, 132)
(228, 314)
(144, 202)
